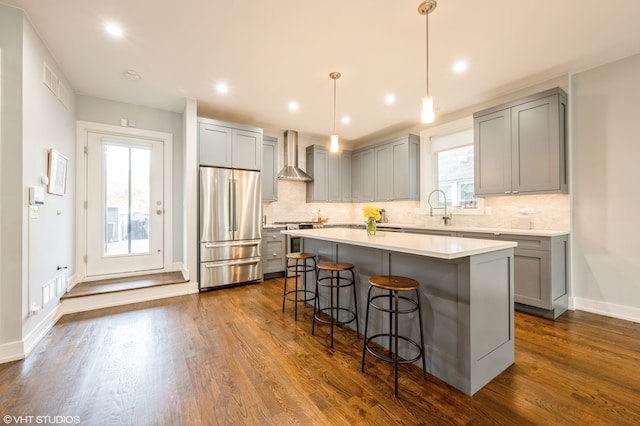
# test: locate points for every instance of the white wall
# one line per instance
(605, 108)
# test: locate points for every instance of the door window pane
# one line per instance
(127, 200)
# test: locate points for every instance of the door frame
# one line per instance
(82, 130)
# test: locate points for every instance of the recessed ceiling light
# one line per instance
(459, 67)
(114, 30)
(346, 120)
(389, 99)
(222, 88)
(293, 106)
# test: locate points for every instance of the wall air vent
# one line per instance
(50, 79)
(63, 95)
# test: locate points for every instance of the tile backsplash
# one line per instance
(550, 212)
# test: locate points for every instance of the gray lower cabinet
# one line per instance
(540, 272)
(269, 169)
(520, 147)
(331, 173)
(274, 250)
(222, 144)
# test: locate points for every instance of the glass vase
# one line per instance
(371, 226)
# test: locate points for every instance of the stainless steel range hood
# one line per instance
(290, 171)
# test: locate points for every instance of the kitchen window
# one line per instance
(455, 175)
(448, 166)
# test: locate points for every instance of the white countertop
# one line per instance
(453, 228)
(423, 245)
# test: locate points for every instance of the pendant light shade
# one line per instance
(428, 114)
(335, 144)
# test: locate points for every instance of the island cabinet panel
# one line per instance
(540, 280)
(269, 169)
(467, 306)
(222, 144)
(331, 173)
(520, 147)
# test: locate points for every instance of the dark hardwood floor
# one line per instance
(232, 357)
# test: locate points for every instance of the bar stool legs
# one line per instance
(334, 282)
(300, 266)
(394, 285)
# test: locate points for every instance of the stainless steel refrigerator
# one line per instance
(230, 227)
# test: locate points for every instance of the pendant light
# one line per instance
(334, 147)
(428, 115)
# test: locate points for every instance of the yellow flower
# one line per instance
(372, 212)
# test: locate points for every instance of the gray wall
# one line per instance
(48, 240)
(110, 112)
(605, 151)
(11, 202)
(33, 120)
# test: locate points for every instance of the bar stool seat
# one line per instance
(394, 285)
(335, 282)
(301, 266)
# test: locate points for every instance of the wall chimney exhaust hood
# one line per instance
(290, 171)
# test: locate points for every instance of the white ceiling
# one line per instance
(274, 51)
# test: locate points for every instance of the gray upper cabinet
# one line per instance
(520, 147)
(383, 173)
(406, 168)
(224, 144)
(387, 172)
(331, 174)
(362, 175)
(269, 169)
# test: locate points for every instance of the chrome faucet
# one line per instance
(446, 218)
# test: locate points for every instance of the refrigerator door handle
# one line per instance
(232, 262)
(230, 207)
(235, 207)
(232, 244)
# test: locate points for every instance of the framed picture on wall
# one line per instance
(57, 175)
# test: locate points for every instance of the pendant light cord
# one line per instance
(334, 106)
(427, 50)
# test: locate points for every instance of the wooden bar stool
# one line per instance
(394, 285)
(304, 262)
(335, 282)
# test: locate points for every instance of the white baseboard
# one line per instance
(43, 327)
(99, 301)
(13, 351)
(613, 310)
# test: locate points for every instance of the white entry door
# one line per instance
(125, 206)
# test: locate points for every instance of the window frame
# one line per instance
(429, 160)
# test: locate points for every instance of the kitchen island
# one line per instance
(466, 290)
